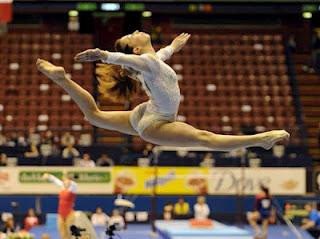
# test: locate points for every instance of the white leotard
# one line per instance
(158, 79)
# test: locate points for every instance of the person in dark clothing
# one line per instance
(263, 210)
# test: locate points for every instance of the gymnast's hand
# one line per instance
(45, 176)
(91, 55)
(180, 41)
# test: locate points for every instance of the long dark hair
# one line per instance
(265, 190)
(114, 82)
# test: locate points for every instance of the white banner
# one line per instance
(28, 180)
(281, 181)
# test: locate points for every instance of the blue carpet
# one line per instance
(136, 231)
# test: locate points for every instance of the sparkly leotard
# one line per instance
(160, 83)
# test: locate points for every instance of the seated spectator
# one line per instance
(147, 151)
(46, 150)
(48, 138)
(99, 218)
(278, 150)
(312, 223)
(181, 208)
(33, 137)
(9, 226)
(12, 140)
(86, 162)
(105, 160)
(3, 159)
(67, 139)
(85, 140)
(5, 216)
(201, 209)
(32, 152)
(21, 140)
(70, 152)
(117, 219)
(208, 160)
(3, 139)
(30, 220)
(168, 211)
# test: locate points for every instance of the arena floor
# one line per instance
(138, 231)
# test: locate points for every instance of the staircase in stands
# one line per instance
(309, 89)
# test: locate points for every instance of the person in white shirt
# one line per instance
(99, 218)
(201, 209)
(155, 121)
(117, 219)
(86, 162)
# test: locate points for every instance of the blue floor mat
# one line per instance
(138, 231)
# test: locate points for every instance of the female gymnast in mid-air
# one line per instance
(154, 120)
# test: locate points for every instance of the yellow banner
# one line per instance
(170, 180)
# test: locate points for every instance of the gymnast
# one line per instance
(154, 120)
(66, 214)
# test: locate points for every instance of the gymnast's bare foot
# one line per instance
(268, 139)
(55, 73)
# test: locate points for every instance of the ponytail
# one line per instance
(265, 190)
(115, 83)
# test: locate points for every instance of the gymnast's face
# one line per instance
(66, 183)
(136, 40)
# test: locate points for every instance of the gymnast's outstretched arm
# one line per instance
(137, 62)
(53, 179)
(176, 45)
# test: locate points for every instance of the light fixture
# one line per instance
(146, 14)
(73, 13)
(110, 6)
(307, 15)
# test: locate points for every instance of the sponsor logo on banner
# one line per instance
(26, 180)
(90, 176)
(170, 180)
(280, 180)
(35, 176)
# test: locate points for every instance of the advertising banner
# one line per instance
(281, 181)
(28, 180)
(170, 180)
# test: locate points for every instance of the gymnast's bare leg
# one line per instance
(170, 134)
(111, 120)
(179, 134)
